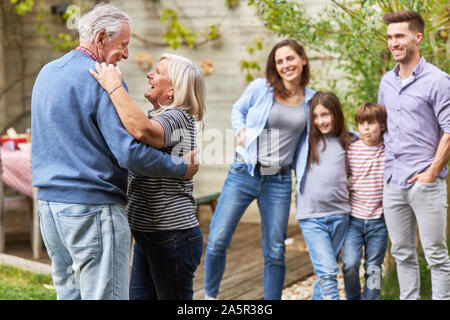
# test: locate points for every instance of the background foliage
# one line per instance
(353, 35)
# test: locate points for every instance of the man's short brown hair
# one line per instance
(370, 111)
(415, 20)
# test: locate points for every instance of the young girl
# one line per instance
(322, 204)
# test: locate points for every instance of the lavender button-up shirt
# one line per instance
(418, 113)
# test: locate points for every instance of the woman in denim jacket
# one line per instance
(271, 121)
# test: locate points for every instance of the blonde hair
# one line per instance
(188, 86)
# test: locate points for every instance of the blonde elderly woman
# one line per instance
(161, 211)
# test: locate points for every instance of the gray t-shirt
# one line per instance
(278, 141)
(326, 189)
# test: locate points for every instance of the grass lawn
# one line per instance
(16, 284)
(390, 289)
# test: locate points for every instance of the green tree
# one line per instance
(353, 35)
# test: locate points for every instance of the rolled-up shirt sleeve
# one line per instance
(441, 102)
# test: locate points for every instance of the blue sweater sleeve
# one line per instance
(130, 153)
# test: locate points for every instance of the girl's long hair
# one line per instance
(330, 102)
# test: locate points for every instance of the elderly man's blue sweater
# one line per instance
(80, 151)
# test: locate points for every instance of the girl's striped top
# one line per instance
(158, 204)
(366, 168)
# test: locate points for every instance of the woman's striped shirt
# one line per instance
(366, 168)
(158, 204)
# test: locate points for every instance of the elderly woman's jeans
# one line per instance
(164, 264)
(273, 194)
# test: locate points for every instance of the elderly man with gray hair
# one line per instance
(80, 156)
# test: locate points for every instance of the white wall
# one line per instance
(24, 53)
(238, 27)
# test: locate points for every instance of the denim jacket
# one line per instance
(251, 111)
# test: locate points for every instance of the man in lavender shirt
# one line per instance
(416, 95)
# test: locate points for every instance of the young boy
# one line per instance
(367, 227)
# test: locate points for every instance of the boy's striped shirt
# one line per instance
(366, 168)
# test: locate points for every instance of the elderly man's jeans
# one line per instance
(89, 246)
(424, 205)
(370, 234)
(273, 194)
(324, 238)
(164, 263)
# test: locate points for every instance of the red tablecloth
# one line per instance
(16, 170)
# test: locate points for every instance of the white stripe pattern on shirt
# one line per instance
(158, 204)
(366, 166)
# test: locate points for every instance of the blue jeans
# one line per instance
(372, 235)
(324, 238)
(273, 194)
(89, 246)
(164, 264)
